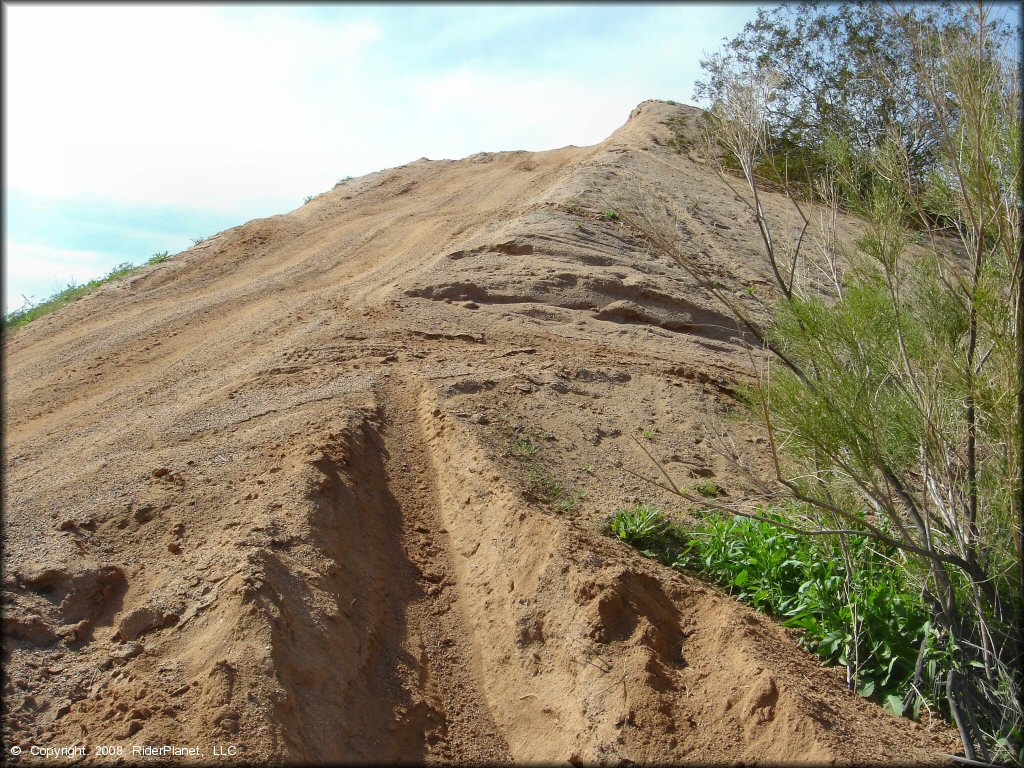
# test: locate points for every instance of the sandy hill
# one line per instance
(267, 493)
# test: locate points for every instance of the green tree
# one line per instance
(839, 69)
(894, 403)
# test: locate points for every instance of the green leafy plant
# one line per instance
(853, 607)
(610, 215)
(639, 525)
(156, 258)
(643, 526)
(707, 487)
(524, 448)
(544, 486)
(850, 604)
(308, 198)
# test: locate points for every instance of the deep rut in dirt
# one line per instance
(436, 632)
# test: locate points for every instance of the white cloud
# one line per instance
(38, 271)
(31, 261)
(245, 110)
(210, 113)
(128, 102)
(519, 111)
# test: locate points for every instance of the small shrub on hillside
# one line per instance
(865, 615)
(644, 526)
(856, 608)
(524, 448)
(708, 488)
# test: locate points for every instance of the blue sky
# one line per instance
(132, 129)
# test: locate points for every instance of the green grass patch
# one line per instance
(544, 486)
(525, 446)
(707, 488)
(644, 526)
(74, 291)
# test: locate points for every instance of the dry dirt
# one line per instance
(266, 494)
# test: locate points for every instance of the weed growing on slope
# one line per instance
(644, 526)
(73, 291)
(544, 486)
(857, 607)
(541, 484)
(707, 488)
(524, 448)
(610, 215)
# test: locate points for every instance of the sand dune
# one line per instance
(262, 494)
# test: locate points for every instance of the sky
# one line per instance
(134, 129)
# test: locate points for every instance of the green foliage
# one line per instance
(307, 199)
(343, 179)
(541, 484)
(610, 215)
(840, 69)
(644, 527)
(707, 487)
(524, 448)
(72, 292)
(544, 486)
(894, 387)
(866, 616)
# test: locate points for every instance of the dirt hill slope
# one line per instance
(270, 493)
